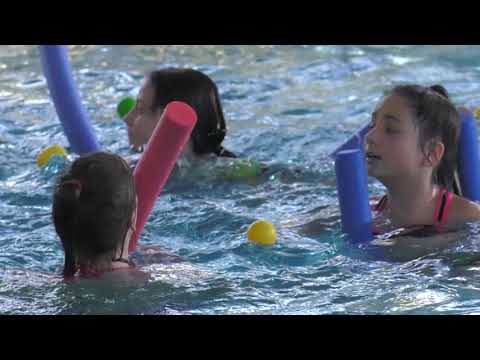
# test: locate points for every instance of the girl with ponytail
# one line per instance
(94, 213)
(411, 148)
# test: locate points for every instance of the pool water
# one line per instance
(286, 106)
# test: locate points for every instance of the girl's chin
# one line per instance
(371, 170)
(375, 174)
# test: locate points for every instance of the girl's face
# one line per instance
(142, 120)
(392, 149)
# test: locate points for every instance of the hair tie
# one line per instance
(76, 183)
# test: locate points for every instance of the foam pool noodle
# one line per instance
(352, 187)
(157, 161)
(469, 157)
(66, 98)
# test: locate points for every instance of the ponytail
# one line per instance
(443, 173)
(65, 204)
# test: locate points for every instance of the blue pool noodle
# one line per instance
(352, 186)
(65, 96)
(469, 157)
(354, 142)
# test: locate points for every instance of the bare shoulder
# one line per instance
(150, 254)
(463, 210)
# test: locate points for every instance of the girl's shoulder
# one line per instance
(462, 210)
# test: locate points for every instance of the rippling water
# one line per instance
(287, 106)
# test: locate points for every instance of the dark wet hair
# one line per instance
(92, 207)
(435, 117)
(200, 92)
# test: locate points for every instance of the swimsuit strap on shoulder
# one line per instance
(441, 210)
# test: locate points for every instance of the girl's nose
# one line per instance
(370, 136)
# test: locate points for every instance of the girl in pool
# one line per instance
(94, 213)
(411, 148)
(192, 87)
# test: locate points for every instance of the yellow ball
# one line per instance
(477, 113)
(262, 232)
(45, 155)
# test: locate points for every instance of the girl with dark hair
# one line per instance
(411, 148)
(192, 87)
(94, 213)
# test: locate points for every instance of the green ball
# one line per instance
(125, 106)
(241, 169)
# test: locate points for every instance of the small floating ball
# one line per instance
(241, 169)
(125, 106)
(45, 155)
(477, 113)
(262, 232)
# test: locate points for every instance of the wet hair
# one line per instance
(436, 118)
(92, 207)
(200, 92)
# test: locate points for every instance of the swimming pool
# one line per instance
(287, 106)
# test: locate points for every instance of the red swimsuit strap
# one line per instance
(86, 271)
(444, 201)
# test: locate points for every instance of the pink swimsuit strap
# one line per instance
(444, 201)
(442, 207)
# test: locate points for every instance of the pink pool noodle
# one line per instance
(158, 159)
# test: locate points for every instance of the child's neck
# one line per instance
(411, 202)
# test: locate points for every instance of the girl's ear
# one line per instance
(435, 153)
